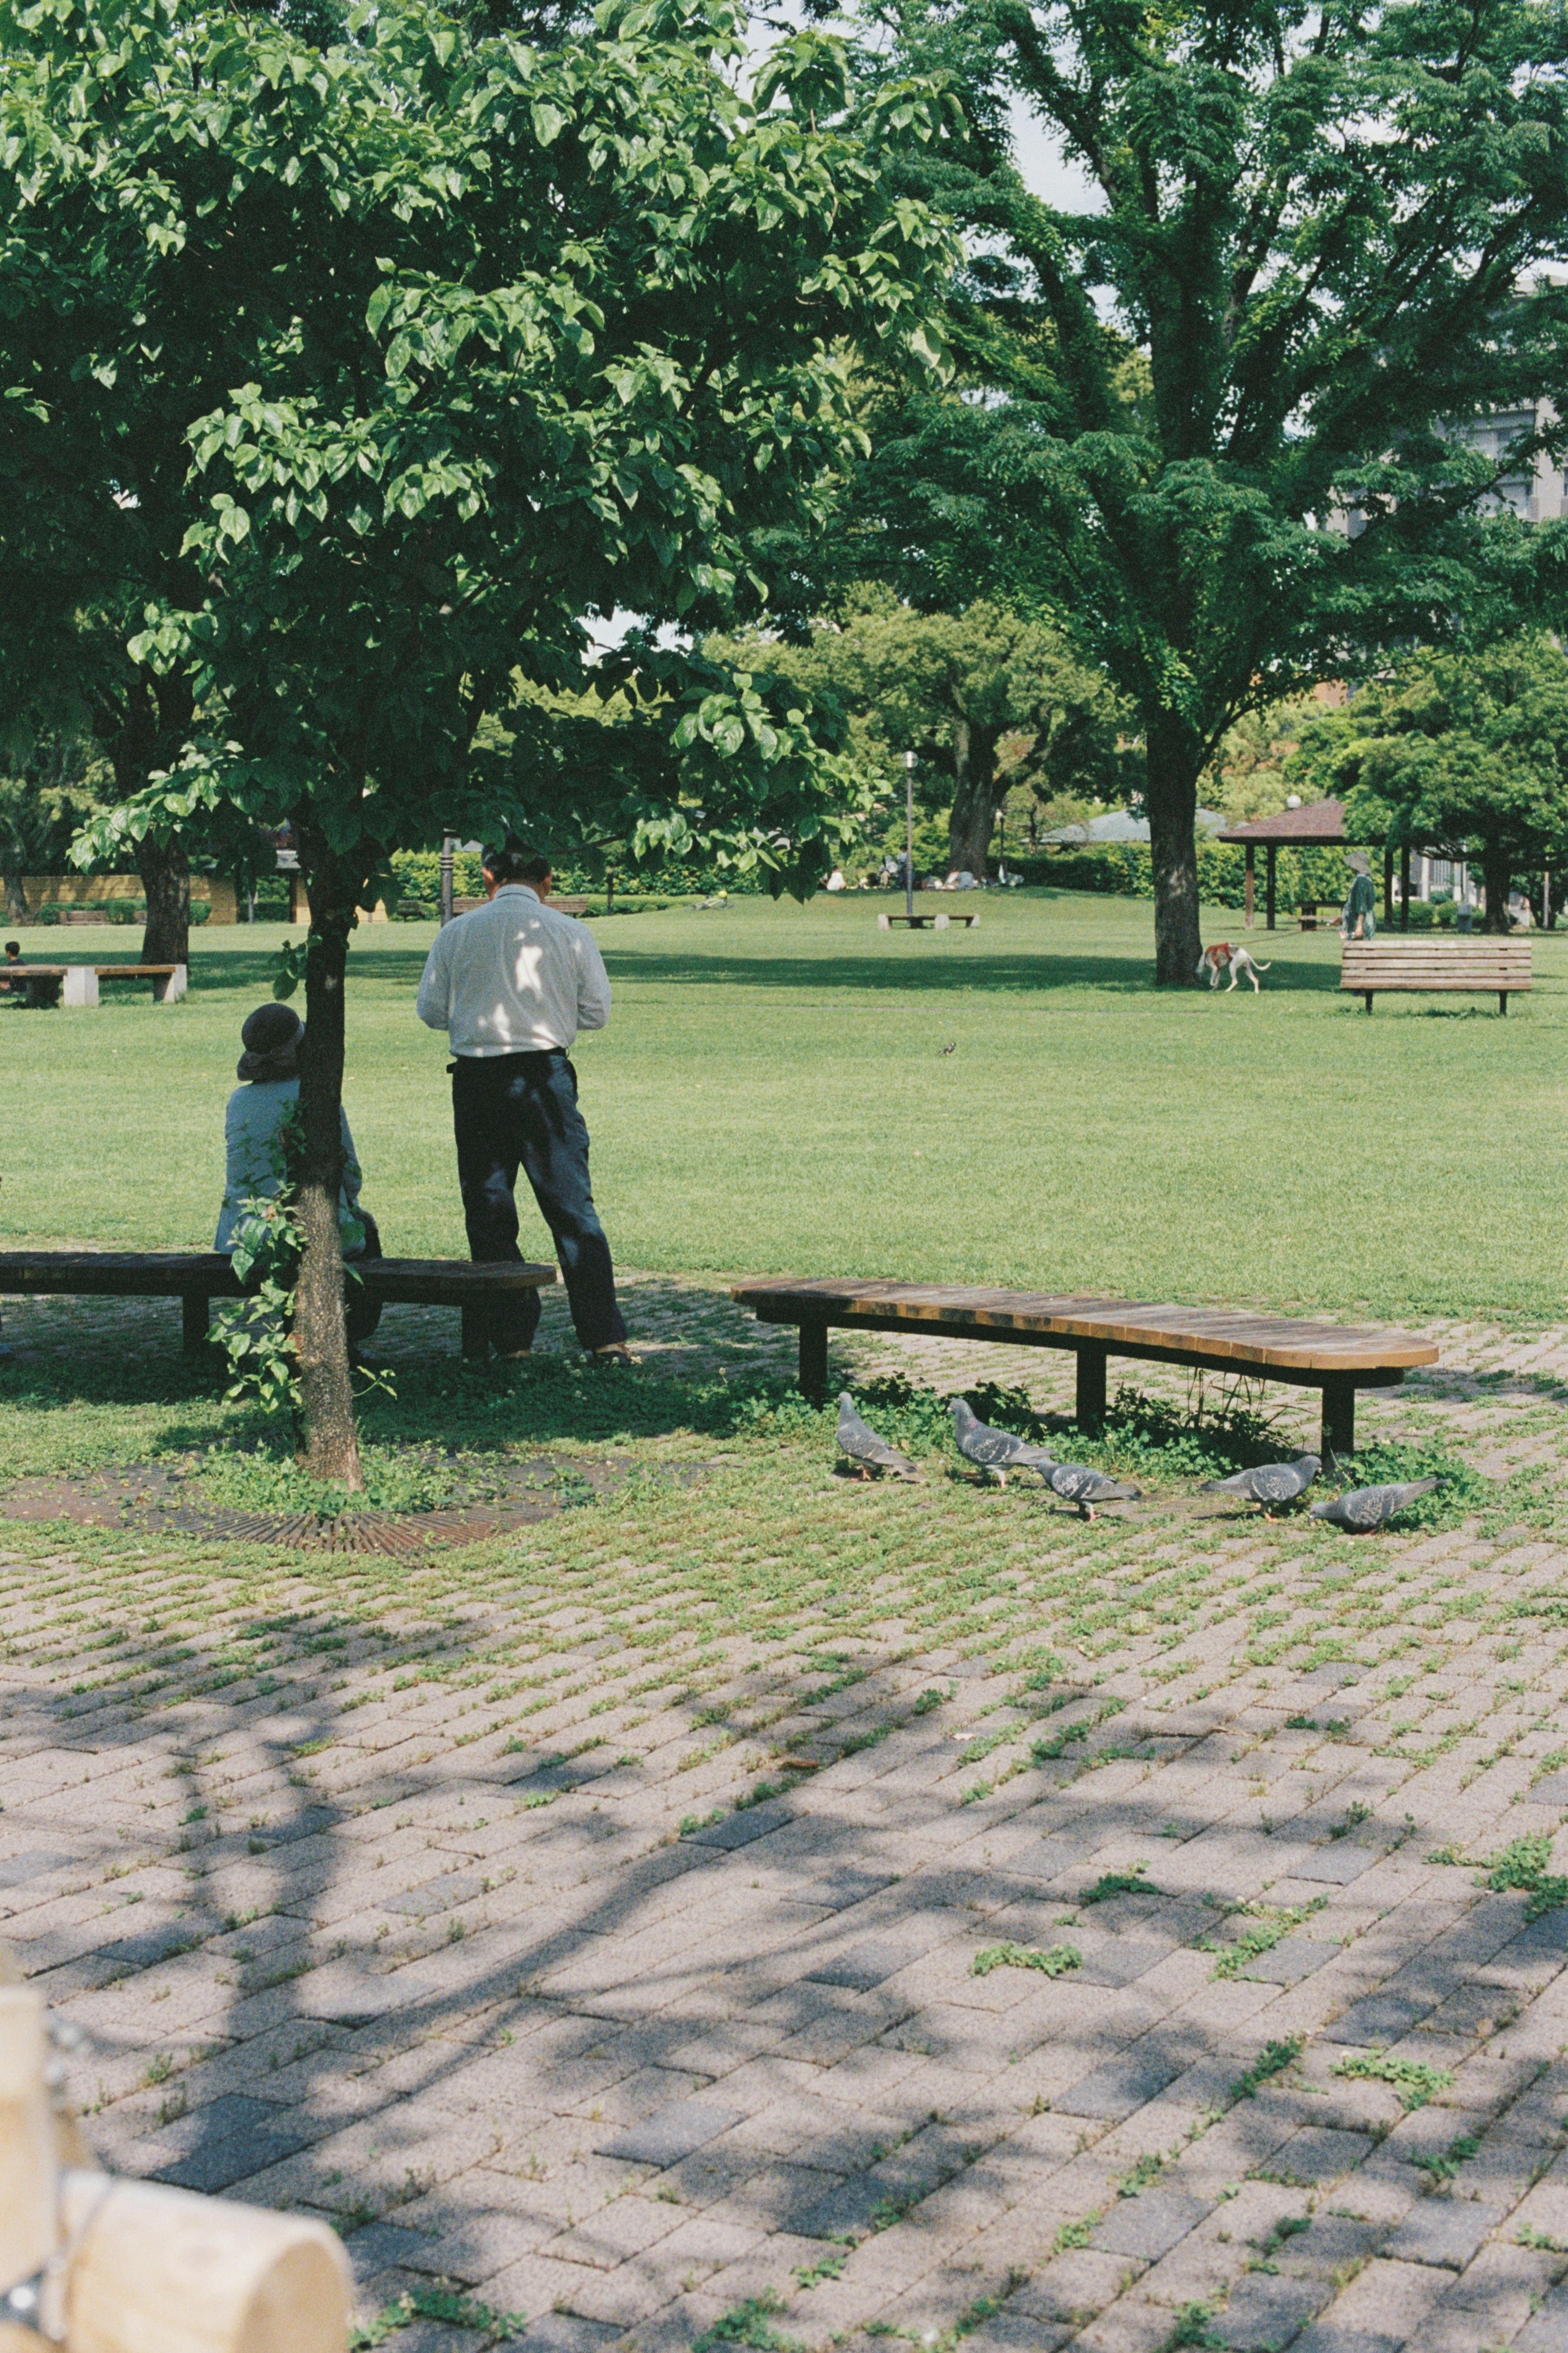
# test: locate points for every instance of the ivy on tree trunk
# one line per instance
(166, 873)
(330, 1449)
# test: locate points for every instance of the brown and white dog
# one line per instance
(1213, 961)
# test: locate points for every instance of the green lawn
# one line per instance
(773, 1095)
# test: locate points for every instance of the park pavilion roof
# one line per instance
(1319, 826)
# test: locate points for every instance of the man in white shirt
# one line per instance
(511, 983)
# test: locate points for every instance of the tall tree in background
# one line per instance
(1304, 263)
(508, 337)
(53, 789)
(1464, 754)
(950, 686)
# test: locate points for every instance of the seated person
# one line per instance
(9, 987)
(269, 1070)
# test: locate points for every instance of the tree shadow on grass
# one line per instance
(1002, 975)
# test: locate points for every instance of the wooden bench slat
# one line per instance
(1221, 1335)
(177, 1274)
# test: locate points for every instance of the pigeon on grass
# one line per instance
(864, 1447)
(1000, 1451)
(1270, 1483)
(1075, 1483)
(1365, 1508)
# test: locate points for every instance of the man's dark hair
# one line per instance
(513, 861)
(13, 947)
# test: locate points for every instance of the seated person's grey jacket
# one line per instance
(269, 1071)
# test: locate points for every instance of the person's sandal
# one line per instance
(615, 1353)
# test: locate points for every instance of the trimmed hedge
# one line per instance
(1125, 870)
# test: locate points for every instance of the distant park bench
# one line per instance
(1334, 1358)
(77, 983)
(936, 919)
(196, 1278)
(1472, 966)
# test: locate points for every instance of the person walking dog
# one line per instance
(512, 983)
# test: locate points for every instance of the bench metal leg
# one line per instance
(1339, 1419)
(1089, 1409)
(475, 1334)
(194, 1322)
(814, 1362)
(1369, 1000)
(1502, 1002)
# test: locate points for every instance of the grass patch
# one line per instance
(1272, 2061)
(749, 2323)
(1523, 1865)
(1054, 1962)
(1441, 2165)
(1269, 1924)
(1415, 2081)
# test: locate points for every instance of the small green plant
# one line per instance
(1139, 2174)
(1442, 2165)
(826, 2267)
(1119, 1882)
(1271, 1924)
(256, 1333)
(691, 1824)
(1272, 2061)
(1075, 2234)
(1541, 2241)
(1194, 2326)
(748, 2323)
(438, 2303)
(927, 1701)
(1052, 1963)
(1522, 1864)
(1415, 2081)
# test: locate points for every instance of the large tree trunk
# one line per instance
(1171, 799)
(976, 797)
(1496, 876)
(16, 900)
(330, 1445)
(166, 873)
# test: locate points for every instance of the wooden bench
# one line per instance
(196, 1278)
(1334, 1358)
(1310, 914)
(1473, 967)
(938, 920)
(77, 983)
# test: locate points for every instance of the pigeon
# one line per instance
(995, 1450)
(1365, 1508)
(1075, 1483)
(1272, 1482)
(863, 1446)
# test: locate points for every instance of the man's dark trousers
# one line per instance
(512, 1111)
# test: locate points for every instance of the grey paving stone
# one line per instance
(1318, 2153)
(564, 2332)
(435, 1895)
(18, 1869)
(1552, 1789)
(1336, 1865)
(1326, 2336)
(1122, 2086)
(1262, 2312)
(1380, 2018)
(1445, 2231)
(1120, 1960)
(671, 2135)
(836, 1890)
(862, 1966)
(1149, 2226)
(1293, 1959)
(741, 1830)
(221, 2143)
(1547, 2330)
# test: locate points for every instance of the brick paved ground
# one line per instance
(424, 1900)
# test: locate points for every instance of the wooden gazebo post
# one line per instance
(1251, 880)
(1268, 859)
(1405, 886)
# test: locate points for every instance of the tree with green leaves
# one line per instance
(501, 339)
(951, 687)
(1217, 416)
(1465, 755)
(54, 788)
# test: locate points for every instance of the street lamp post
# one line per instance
(447, 909)
(910, 834)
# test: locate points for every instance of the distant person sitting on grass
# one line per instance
(1358, 920)
(9, 987)
(254, 1149)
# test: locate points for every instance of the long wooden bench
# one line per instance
(1335, 1358)
(77, 983)
(196, 1278)
(1472, 966)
